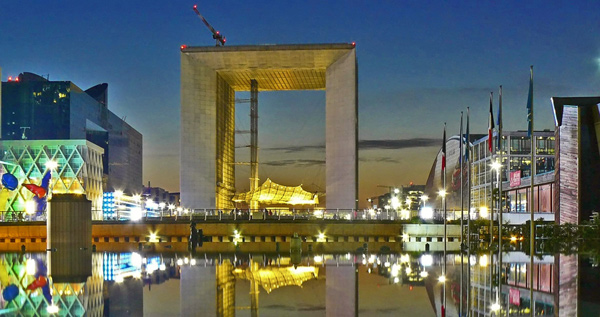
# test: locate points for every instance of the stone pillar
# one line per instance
(198, 290)
(566, 296)
(198, 147)
(566, 195)
(341, 290)
(69, 237)
(341, 149)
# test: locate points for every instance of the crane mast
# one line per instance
(220, 39)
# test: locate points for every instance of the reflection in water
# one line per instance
(132, 284)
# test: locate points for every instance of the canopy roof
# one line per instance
(272, 193)
(271, 278)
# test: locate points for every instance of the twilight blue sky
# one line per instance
(420, 64)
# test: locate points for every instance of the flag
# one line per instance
(499, 138)
(491, 124)
(444, 150)
(530, 105)
(467, 138)
(462, 143)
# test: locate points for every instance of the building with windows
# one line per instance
(515, 174)
(35, 108)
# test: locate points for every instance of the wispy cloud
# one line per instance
(379, 159)
(365, 145)
(297, 162)
(295, 149)
(397, 144)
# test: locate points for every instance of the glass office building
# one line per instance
(34, 108)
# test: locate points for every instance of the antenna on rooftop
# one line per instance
(23, 136)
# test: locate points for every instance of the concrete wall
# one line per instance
(341, 115)
(567, 168)
(198, 134)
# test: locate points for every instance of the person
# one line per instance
(193, 236)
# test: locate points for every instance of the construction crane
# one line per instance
(216, 35)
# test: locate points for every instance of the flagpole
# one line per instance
(462, 216)
(445, 218)
(499, 176)
(468, 143)
(490, 147)
(532, 169)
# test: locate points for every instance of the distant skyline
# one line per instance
(420, 64)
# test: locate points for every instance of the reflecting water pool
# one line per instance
(241, 284)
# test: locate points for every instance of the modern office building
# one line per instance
(34, 108)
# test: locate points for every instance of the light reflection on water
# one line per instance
(406, 284)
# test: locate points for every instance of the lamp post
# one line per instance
(497, 166)
(442, 193)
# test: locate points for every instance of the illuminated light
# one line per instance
(195, 6)
(404, 258)
(408, 201)
(193, 262)
(396, 190)
(483, 260)
(136, 213)
(180, 262)
(162, 205)
(395, 270)
(183, 47)
(496, 165)
(396, 280)
(118, 279)
(348, 217)
(318, 213)
(442, 193)
(386, 264)
(52, 309)
(513, 239)
(137, 275)
(369, 270)
(408, 270)
(495, 306)
(153, 237)
(179, 209)
(31, 267)
(353, 43)
(484, 212)
(405, 214)
(424, 274)
(321, 236)
(364, 262)
(51, 165)
(427, 213)
(171, 207)
(30, 207)
(424, 198)
(395, 202)
(318, 259)
(442, 279)
(137, 198)
(162, 267)
(405, 237)
(426, 260)
(218, 33)
(136, 259)
(16, 79)
(9, 78)
(371, 259)
(118, 194)
(186, 260)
